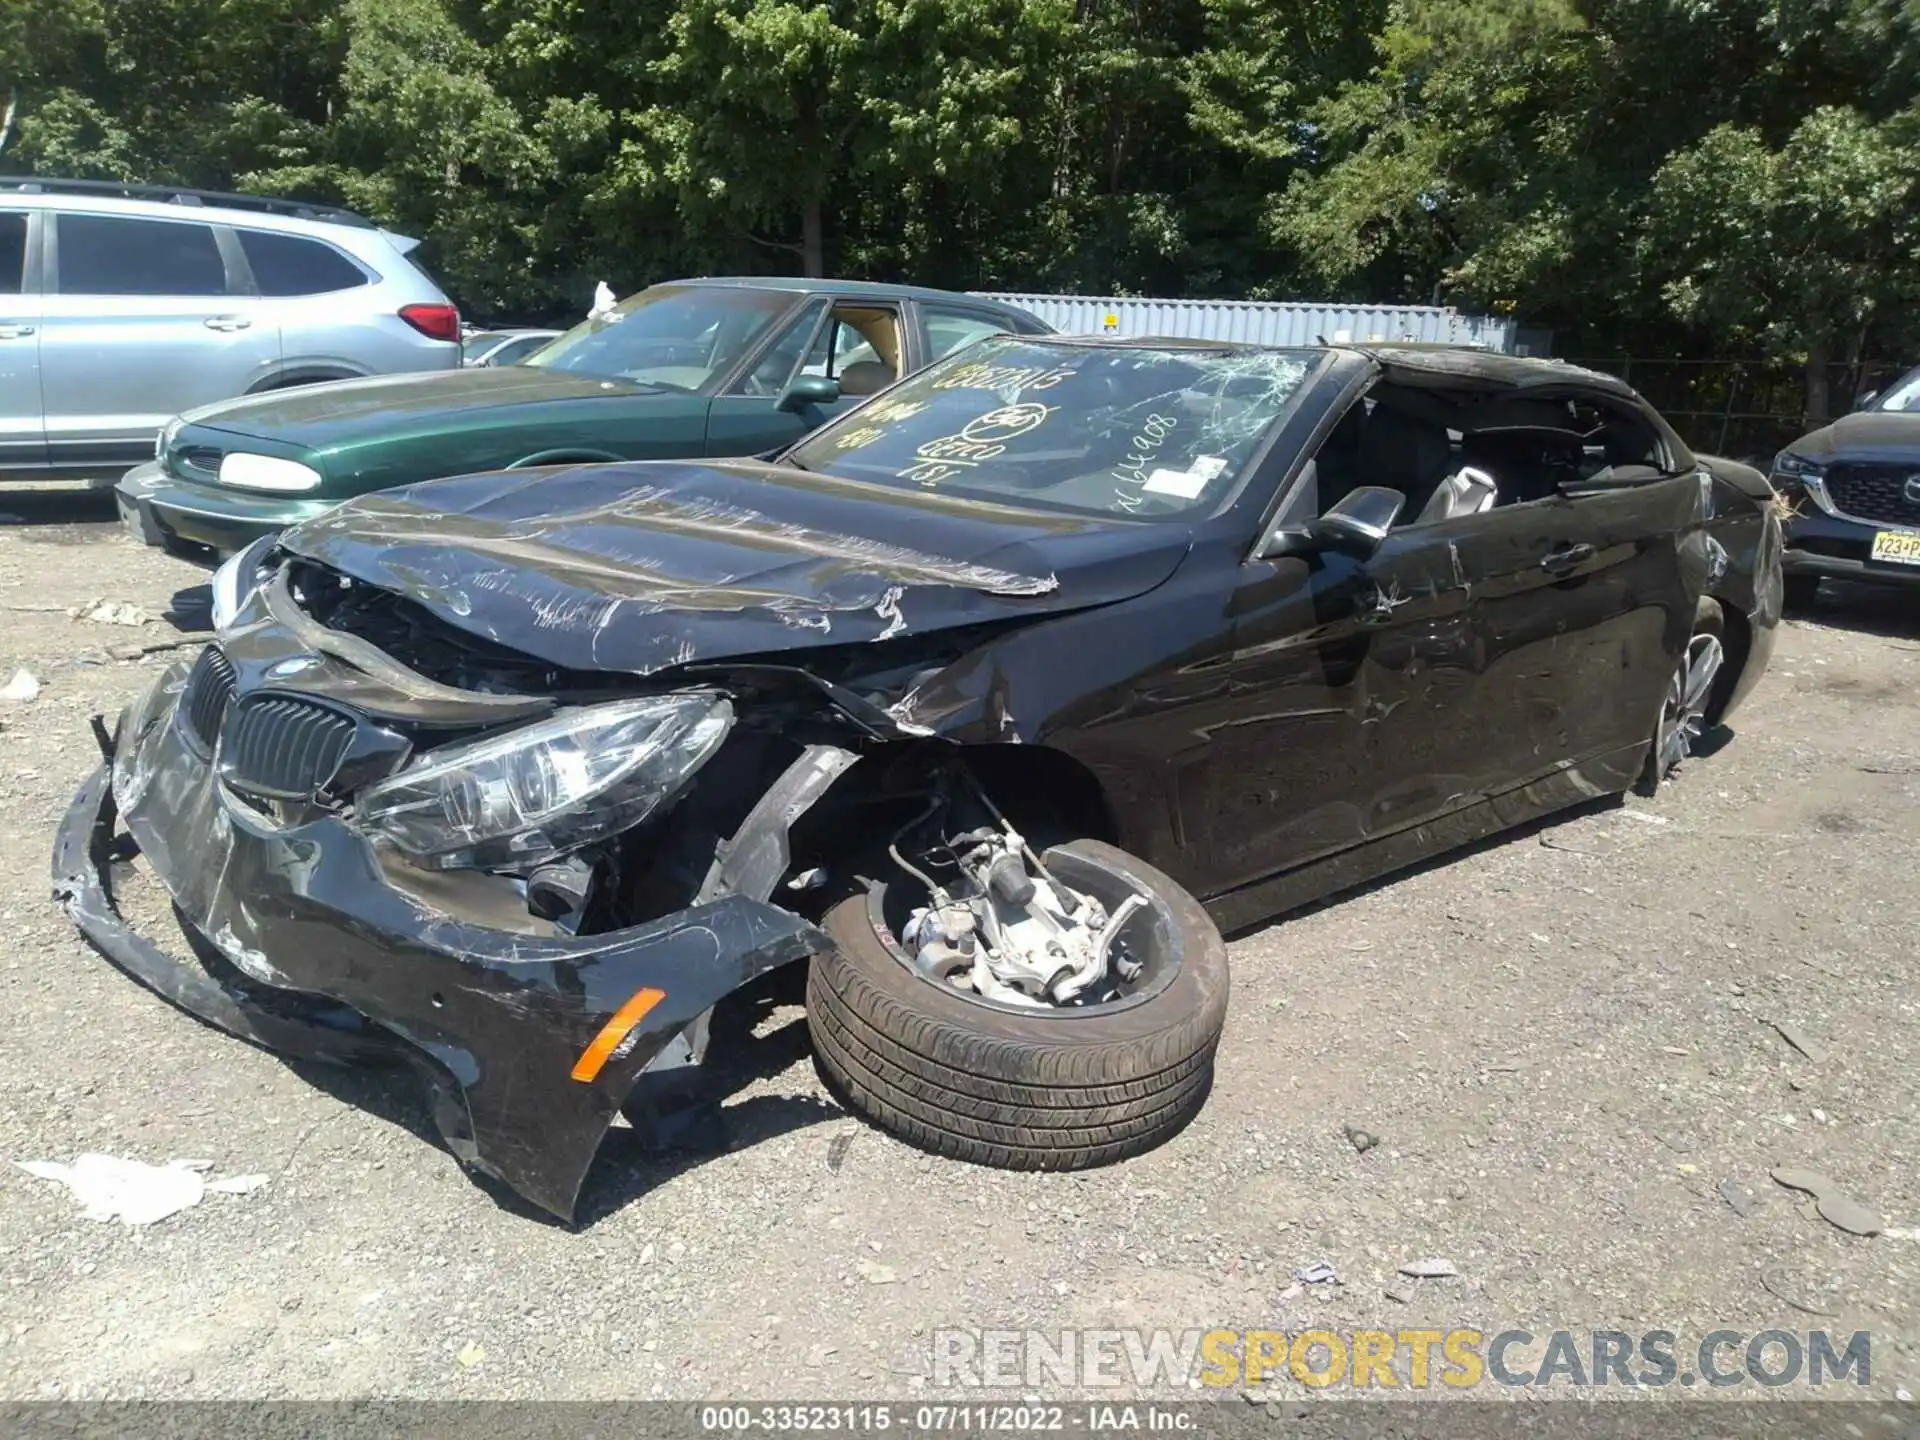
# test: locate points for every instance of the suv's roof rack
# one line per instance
(183, 195)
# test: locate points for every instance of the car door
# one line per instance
(1580, 611)
(142, 318)
(860, 343)
(22, 434)
(1358, 693)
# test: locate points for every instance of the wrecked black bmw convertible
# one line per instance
(992, 699)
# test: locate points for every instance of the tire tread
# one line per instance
(950, 1077)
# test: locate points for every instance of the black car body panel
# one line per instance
(705, 561)
(1263, 719)
(498, 1016)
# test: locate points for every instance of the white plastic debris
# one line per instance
(111, 612)
(21, 687)
(238, 1184)
(110, 1187)
(603, 301)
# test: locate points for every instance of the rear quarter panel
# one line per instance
(1739, 542)
(350, 332)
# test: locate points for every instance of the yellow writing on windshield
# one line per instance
(982, 438)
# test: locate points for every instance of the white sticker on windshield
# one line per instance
(1187, 484)
(1208, 467)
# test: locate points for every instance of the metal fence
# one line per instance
(1265, 322)
(1748, 409)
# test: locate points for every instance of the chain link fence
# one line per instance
(1748, 409)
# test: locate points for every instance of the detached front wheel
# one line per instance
(1025, 1082)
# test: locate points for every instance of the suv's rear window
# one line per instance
(111, 255)
(288, 265)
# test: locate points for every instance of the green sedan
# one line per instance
(681, 370)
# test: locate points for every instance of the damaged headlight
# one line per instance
(540, 791)
(235, 581)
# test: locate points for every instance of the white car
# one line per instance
(502, 347)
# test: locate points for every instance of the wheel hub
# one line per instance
(1683, 717)
(1018, 937)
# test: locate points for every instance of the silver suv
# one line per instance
(123, 305)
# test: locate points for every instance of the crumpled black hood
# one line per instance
(638, 567)
(1890, 434)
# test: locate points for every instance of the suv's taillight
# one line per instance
(436, 322)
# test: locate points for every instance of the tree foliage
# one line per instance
(1678, 175)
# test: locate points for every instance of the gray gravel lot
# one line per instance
(1564, 1041)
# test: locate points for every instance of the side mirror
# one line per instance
(810, 390)
(1355, 526)
(1359, 522)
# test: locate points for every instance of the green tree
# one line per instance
(1797, 252)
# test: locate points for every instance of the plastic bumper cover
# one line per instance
(156, 508)
(1821, 544)
(336, 964)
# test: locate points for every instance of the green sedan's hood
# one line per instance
(318, 417)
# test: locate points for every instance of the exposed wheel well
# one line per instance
(1046, 794)
(1736, 639)
(563, 457)
(1044, 791)
(302, 377)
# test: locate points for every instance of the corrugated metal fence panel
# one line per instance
(1265, 322)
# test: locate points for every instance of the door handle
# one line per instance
(1570, 556)
(15, 332)
(227, 322)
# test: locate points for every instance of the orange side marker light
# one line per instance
(614, 1031)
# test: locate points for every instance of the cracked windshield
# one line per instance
(1125, 431)
(667, 338)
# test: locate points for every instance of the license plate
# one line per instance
(1898, 547)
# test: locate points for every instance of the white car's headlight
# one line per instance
(517, 799)
(266, 472)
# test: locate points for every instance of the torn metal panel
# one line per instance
(753, 860)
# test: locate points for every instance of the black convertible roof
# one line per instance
(1519, 371)
(1440, 361)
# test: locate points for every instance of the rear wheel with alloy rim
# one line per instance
(1686, 708)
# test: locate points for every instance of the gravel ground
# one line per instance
(1564, 1042)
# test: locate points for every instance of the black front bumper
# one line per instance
(335, 963)
(1838, 549)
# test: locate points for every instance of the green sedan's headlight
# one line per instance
(267, 472)
(511, 801)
